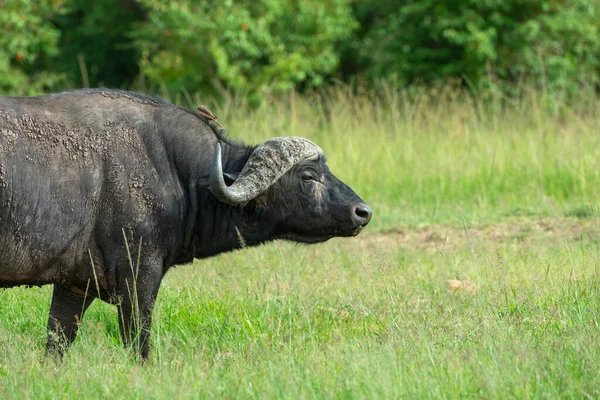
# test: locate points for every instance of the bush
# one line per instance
(552, 43)
(250, 46)
(96, 47)
(259, 46)
(27, 43)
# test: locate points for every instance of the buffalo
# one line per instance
(102, 191)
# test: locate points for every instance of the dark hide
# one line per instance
(89, 177)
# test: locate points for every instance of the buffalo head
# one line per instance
(288, 179)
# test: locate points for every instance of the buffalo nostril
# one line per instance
(364, 212)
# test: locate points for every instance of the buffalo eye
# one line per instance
(307, 176)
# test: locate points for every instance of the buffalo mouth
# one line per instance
(308, 239)
(357, 230)
(319, 237)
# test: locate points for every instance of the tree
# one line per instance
(555, 43)
(27, 43)
(248, 45)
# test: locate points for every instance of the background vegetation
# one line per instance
(260, 46)
(470, 127)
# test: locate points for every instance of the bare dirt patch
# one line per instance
(438, 237)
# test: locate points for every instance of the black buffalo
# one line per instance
(102, 191)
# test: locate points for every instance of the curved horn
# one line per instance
(269, 162)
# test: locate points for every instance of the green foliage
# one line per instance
(554, 43)
(95, 47)
(259, 46)
(27, 41)
(247, 46)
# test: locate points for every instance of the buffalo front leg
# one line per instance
(135, 315)
(66, 311)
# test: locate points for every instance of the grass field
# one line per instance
(478, 277)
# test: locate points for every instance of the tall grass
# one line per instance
(433, 154)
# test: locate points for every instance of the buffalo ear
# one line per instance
(261, 200)
(230, 177)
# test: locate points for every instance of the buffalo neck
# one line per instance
(214, 227)
(221, 227)
(209, 227)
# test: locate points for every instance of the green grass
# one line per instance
(500, 200)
